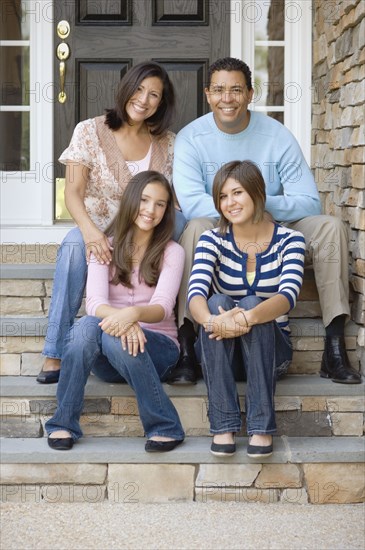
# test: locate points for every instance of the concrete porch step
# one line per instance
(291, 385)
(194, 450)
(305, 406)
(301, 470)
(27, 271)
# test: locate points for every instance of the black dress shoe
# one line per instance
(184, 373)
(223, 449)
(161, 446)
(258, 451)
(60, 444)
(336, 364)
(48, 376)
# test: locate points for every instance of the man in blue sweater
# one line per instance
(232, 132)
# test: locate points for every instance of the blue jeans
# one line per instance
(87, 349)
(69, 285)
(265, 354)
(180, 222)
(68, 290)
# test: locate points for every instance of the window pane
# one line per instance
(14, 20)
(14, 141)
(269, 75)
(269, 19)
(14, 75)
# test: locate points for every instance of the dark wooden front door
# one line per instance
(107, 37)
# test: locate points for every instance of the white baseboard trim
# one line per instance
(33, 234)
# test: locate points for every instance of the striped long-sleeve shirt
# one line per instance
(220, 267)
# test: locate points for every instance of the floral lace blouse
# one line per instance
(93, 145)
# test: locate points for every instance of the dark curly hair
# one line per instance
(230, 64)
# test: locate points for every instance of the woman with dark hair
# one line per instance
(246, 277)
(130, 333)
(103, 155)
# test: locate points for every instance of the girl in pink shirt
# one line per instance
(129, 333)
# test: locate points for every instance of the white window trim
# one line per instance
(27, 197)
(297, 62)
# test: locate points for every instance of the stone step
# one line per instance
(21, 254)
(301, 470)
(305, 406)
(26, 290)
(291, 385)
(46, 271)
(22, 340)
(27, 271)
(26, 326)
(323, 465)
(110, 450)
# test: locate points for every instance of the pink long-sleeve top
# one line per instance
(100, 291)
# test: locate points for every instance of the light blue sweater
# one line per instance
(201, 149)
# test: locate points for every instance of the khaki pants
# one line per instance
(326, 240)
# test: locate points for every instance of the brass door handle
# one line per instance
(63, 53)
(62, 95)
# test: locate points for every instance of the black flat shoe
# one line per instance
(60, 444)
(48, 376)
(223, 449)
(257, 451)
(161, 446)
(335, 362)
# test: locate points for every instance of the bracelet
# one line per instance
(244, 316)
(209, 324)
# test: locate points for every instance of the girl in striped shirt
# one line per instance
(246, 277)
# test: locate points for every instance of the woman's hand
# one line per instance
(97, 243)
(228, 324)
(119, 323)
(77, 178)
(134, 340)
(242, 318)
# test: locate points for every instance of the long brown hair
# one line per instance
(248, 175)
(122, 229)
(162, 118)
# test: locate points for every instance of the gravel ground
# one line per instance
(178, 526)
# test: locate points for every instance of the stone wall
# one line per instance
(338, 136)
(318, 483)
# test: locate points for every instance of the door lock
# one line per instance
(63, 29)
(63, 53)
